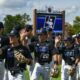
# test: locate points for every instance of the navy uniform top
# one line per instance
(78, 47)
(10, 61)
(43, 52)
(69, 54)
(3, 42)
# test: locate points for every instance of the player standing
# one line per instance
(3, 42)
(43, 57)
(16, 57)
(78, 46)
(69, 56)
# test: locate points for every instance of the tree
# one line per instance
(76, 24)
(69, 30)
(11, 21)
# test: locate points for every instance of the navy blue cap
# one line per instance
(1, 25)
(28, 27)
(70, 39)
(42, 31)
(17, 28)
(14, 33)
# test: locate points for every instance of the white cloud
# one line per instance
(2, 2)
(14, 3)
(72, 9)
(21, 6)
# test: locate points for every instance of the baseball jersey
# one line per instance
(69, 55)
(78, 47)
(10, 61)
(3, 42)
(43, 52)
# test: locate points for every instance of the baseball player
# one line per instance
(58, 44)
(78, 46)
(26, 40)
(3, 42)
(69, 59)
(16, 57)
(43, 57)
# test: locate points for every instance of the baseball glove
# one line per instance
(54, 72)
(71, 71)
(20, 58)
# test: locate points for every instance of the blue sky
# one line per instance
(72, 7)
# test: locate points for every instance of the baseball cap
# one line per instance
(42, 31)
(18, 27)
(70, 39)
(28, 27)
(14, 33)
(1, 25)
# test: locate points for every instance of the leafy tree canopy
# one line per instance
(11, 21)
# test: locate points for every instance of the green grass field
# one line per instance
(27, 75)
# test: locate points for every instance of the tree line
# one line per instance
(11, 21)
